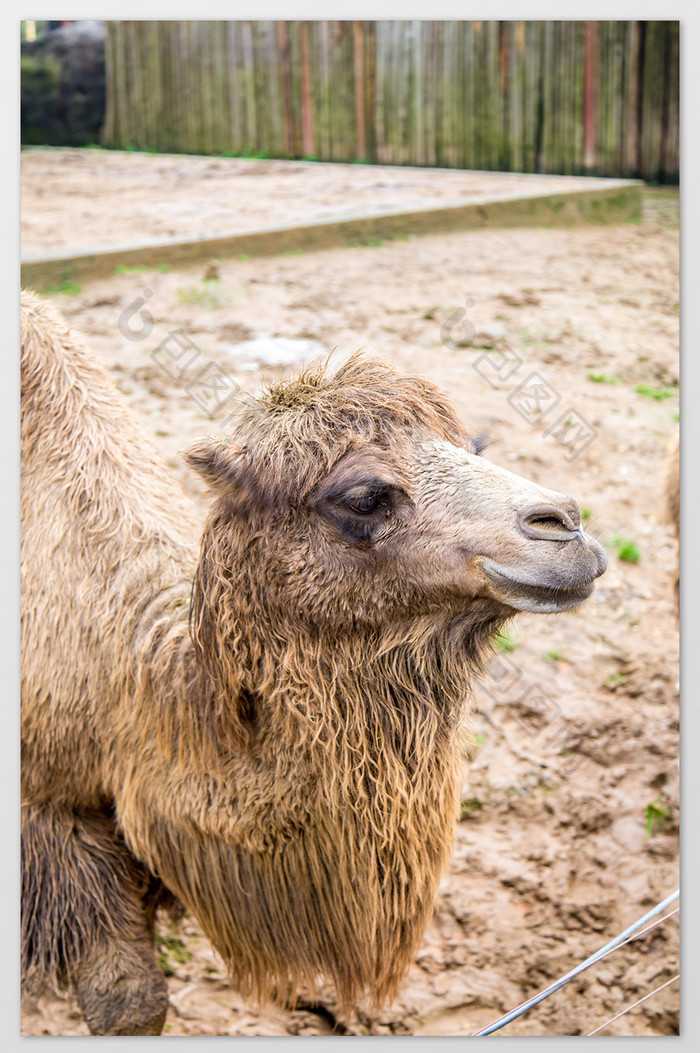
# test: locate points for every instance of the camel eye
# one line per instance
(364, 505)
(365, 509)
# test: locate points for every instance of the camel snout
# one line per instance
(548, 522)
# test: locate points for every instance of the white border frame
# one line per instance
(10, 16)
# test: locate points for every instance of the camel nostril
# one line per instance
(548, 523)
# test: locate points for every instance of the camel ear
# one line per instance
(227, 467)
(220, 462)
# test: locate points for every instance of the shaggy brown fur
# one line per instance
(288, 764)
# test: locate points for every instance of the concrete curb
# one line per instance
(619, 201)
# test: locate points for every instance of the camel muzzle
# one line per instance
(557, 577)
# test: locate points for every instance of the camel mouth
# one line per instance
(538, 598)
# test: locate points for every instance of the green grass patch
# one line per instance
(201, 297)
(657, 814)
(602, 378)
(655, 393)
(625, 548)
(172, 953)
(163, 267)
(585, 513)
(249, 155)
(629, 552)
(469, 807)
(65, 288)
(554, 656)
(125, 268)
(505, 642)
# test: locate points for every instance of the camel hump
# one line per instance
(38, 322)
(45, 341)
(55, 366)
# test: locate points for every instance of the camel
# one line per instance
(268, 728)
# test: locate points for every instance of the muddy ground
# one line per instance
(569, 827)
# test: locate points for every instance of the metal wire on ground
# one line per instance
(634, 1005)
(629, 933)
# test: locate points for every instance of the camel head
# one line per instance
(365, 498)
(356, 497)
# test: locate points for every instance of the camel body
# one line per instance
(279, 745)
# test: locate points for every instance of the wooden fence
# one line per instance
(558, 97)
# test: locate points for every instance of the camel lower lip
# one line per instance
(527, 596)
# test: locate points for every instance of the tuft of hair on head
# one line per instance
(298, 427)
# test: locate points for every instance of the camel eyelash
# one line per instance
(480, 443)
(369, 488)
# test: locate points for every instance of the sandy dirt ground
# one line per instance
(79, 199)
(569, 827)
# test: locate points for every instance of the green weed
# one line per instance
(602, 378)
(655, 393)
(201, 297)
(65, 287)
(469, 807)
(626, 549)
(172, 953)
(657, 814)
(124, 268)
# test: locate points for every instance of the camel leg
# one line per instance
(121, 990)
(84, 920)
